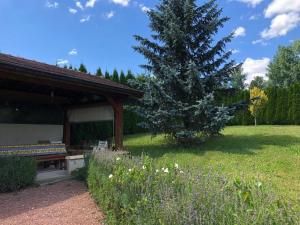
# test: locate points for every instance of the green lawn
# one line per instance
(270, 154)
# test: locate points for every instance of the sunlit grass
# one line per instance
(270, 154)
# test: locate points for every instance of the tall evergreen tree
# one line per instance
(258, 82)
(187, 64)
(238, 79)
(82, 68)
(129, 77)
(115, 76)
(107, 76)
(99, 72)
(122, 78)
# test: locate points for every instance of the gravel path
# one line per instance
(63, 203)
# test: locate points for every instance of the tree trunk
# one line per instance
(255, 123)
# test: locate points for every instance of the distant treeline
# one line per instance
(282, 108)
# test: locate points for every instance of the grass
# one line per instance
(270, 154)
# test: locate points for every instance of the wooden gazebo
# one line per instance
(49, 91)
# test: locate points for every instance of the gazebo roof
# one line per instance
(23, 68)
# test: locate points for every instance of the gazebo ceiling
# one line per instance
(22, 75)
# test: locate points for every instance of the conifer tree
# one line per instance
(238, 79)
(129, 77)
(82, 68)
(122, 78)
(99, 72)
(187, 63)
(115, 76)
(107, 76)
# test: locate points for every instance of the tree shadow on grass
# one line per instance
(232, 144)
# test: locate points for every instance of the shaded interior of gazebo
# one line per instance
(42, 94)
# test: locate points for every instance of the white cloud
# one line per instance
(255, 67)
(235, 51)
(286, 15)
(260, 41)
(79, 5)
(282, 6)
(85, 19)
(144, 8)
(62, 62)
(90, 3)
(110, 15)
(240, 31)
(281, 25)
(53, 5)
(254, 17)
(121, 2)
(73, 11)
(252, 3)
(73, 52)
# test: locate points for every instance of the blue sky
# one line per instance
(99, 33)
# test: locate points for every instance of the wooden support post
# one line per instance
(118, 115)
(67, 130)
(118, 118)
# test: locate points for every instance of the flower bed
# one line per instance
(135, 191)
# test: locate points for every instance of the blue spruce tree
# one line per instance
(186, 65)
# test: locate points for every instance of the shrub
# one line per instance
(16, 173)
(135, 191)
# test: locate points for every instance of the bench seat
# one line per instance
(38, 150)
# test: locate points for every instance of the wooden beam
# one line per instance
(67, 129)
(7, 95)
(118, 115)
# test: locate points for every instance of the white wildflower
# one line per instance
(176, 166)
(156, 171)
(110, 176)
(166, 170)
(180, 171)
(118, 158)
(130, 170)
(144, 167)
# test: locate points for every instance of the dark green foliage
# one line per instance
(238, 79)
(187, 63)
(122, 78)
(282, 107)
(115, 76)
(82, 68)
(258, 82)
(92, 131)
(107, 76)
(129, 76)
(16, 173)
(99, 72)
(284, 70)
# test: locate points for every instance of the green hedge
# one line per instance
(16, 173)
(282, 108)
(136, 191)
(103, 130)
